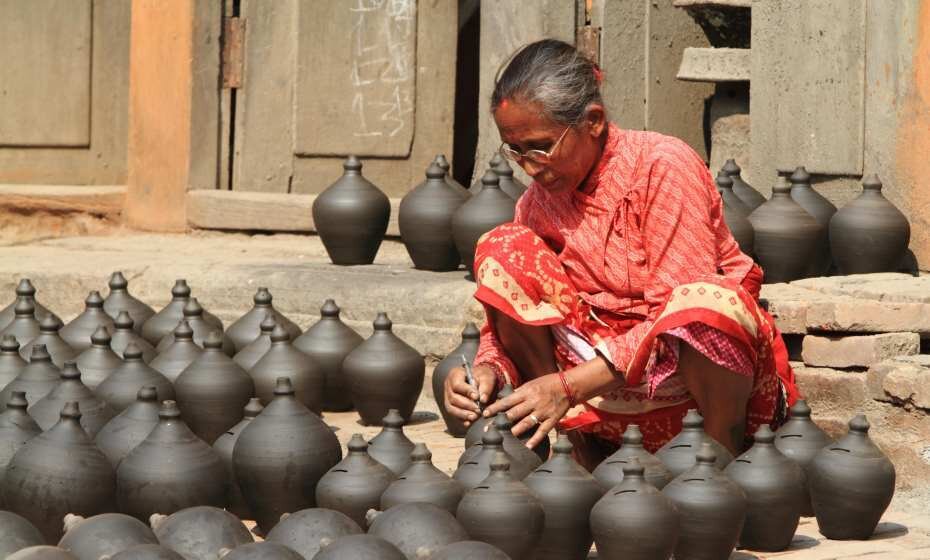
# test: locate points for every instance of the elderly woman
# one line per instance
(617, 295)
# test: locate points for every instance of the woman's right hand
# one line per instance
(460, 397)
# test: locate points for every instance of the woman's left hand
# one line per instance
(541, 401)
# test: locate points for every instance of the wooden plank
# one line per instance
(100, 200)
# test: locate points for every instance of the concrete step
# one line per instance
(700, 64)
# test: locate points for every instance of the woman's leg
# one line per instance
(529, 347)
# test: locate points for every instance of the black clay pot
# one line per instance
(95, 412)
(78, 332)
(443, 164)
(58, 349)
(104, 535)
(509, 185)
(417, 530)
(474, 468)
(24, 326)
(822, 210)
(119, 299)
(502, 511)
(11, 362)
(382, 373)
(248, 327)
(281, 455)
(130, 427)
(165, 321)
(869, 234)
(124, 334)
(476, 430)
(172, 361)
(328, 342)
(355, 484)
(359, 547)
(42, 553)
(423, 482)
(678, 455)
(303, 531)
(122, 386)
(16, 428)
(425, 221)
(522, 459)
(735, 214)
(284, 360)
(196, 319)
(37, 379)
(99, 361)
(17, 533)
(391, 447)
(351, 217)
(481, 213)
(200, 532)
(469, 550)
(748, 195)
(224, 445)
(170, 470)
(27, 290)
(255, 350)
(800, 439)
(147, 552)
(467, 349)
(610, 472)
(65, 468)
(262, 551)
(786, 236)
(212, 391)
(851, 484)
(567, 492)
(711, 509)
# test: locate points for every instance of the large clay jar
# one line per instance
(262, 551)
(147, 552)
(212, 391)
(37, 379)
(822, 210)
(869, 234)
(328, 342)
(786, 236)
(476, 430)
(735, 214)
(42, 553)
(194, 315)
(99, 361)
(283, 360)
(443, 164)
(417, 530)
(567, 492)
(170, 470)
(17, 533)
(502, 511)
(423, 482)
(748, 195)
(24, 326)
(78, 332)
(851, 484)
(633, 520)
(57, 348)
(512, 187)
(425, 221)
(122, 386)
(130, 427)
(304, 531)
(11, 362)
(800, 439)
(522, 459)
(775, 491)
(391, 447)
(95, 412)
(610, 472)
(119, 299)
(281, 455)
(248, 327)
(469, 550)
(58, 472)
(174, 359)
(200, 532)
(382, 373)
(355, 484)
(253, 352)
(124, 334)
(104, 535)
(711, 508)
(678, 455)
(27, 290)
(165, 321)
(351, 217)
(16, 428)
(472, 470)
(467, 351)
(359, 547)
(224, 447)
(480, 213)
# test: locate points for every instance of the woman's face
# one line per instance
(523, 127)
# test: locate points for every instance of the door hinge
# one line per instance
(232, 53)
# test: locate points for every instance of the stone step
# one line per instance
(708, 64)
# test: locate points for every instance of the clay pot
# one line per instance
(124, 334)
(303, 531)
(735, 214)
(748, 195)
(27, 290)
(283, 360)
(194, 315)
(262, 551)
(37, 379)
(711, 509)
(472, 470)
(678, 455)
(382, 373)
(104, 535)
(147, 552)
(351, 217)
(119, 299)
(165, 321)
(799, 439)
(281, 455)
(122, 386)
(391, 447)
(95, 412)
(251, 354)
(17, 533)
(359, 547)
(425, 221)
(65, 468)
(511, 187)
(248, 327)
(212, 391)
(328, 342)
(79, 331)
(24, 326)
(11, 362)
(16, 428)
(822, 210)
(476, 430)
(224, 445)
(58, 349)
(610, 472)
(502, 511)
(42, 553)
(200, 532)
(851, 484)
(170, 470)
(355, 484)
(417, 530)
(522, 459)
(130, 427)
(443, 164)
(469, 550)
(481, 213)
(869, 234)
(467, 349)
(423, 482)
(786, 236)
(567, 492)
(99, 361)
(174, 359)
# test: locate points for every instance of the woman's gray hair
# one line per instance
(555, 75)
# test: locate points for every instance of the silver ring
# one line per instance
(534, 419)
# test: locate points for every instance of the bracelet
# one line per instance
(567, 389)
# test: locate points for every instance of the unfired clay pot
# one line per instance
(196, 318)
(610, 472)
(27, 290)
(57, 348)
(77, 333)
(247, 328)
(224, 445)
(119, 299)
(124, 334)
(200, 532)
(284, 360)
(182, 352)
(800, 439)
(17, 533)
(37, 379)
(165, 321)
(95, 412)
(417, 529)
(423, 482)
(306, 530)
(480, 214)
(24, 326)
(735, 214)
(678, 455)
(122, 386)
(328, 342)
(822, 210)
(355, 484)
(359, 547)
(99, 361)
(130, 427)
(748, 195)
(255, 350)
(425, 221)
(16, 428)
(786, 236)
(467, 349)
(11, 362)
(104, 535)
(391, 447)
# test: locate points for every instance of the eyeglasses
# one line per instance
(536, 156)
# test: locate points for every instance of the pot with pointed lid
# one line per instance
(502, 511)
(121, 387)
(99, 361)
(104, 535)
(423, 482)
(748, 195)
(785, 236)
(512, 187)
(522, 459)
(284, 360)
(851, 484)
(358, 547)
(261, 551)
(224, 447)
(172, 361)
(95, 412)
(355, 484)
(165, 321)
(467, 349)
(119, 299)
(253, 352)
(822, 210)
(17, 533)
(425, 221)
(476, 430)
(248, 327)
(610, 472)
(124, 334)
(480, 214)
(476, 468)
(27, 290)
(800, 439)
(417, 529)
(678, 455)
(11, 361)
(146, 552)
(304, 531)
(78, 332)
(469, 550)
(391, 447)
(130, 427)
(281, 455)
(24, 325)
(567, 492)
(382, 373)
(443, 164)
(200, 531)
(36, 379)
(16, 428)
(328, 342)
(194, 315)
(735, 214)
(57, 348)
(64, 467)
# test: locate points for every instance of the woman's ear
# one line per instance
(596, 117)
